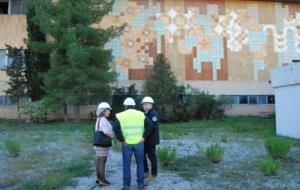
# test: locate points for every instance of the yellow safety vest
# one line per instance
(132, 125)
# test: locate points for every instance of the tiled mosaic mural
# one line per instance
(205, 39)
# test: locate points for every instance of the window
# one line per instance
(17, 7)
(4, 4)
(6, 101)
(235, 99)
(3, 59)
(261, 99)
(243, 99)
(271, 99)
(252, 99)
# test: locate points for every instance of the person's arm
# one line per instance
(106, 128)
(117, 130)
(148, 127)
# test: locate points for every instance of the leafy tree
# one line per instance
(80, 64)
(37, 55)
(15, 72)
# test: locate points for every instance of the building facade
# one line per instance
(223, 47)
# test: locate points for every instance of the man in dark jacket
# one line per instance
(131, 128)
(153, 139)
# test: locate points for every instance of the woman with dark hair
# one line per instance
(102, 124)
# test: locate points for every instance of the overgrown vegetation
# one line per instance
(12, 147)
(277, 147)
(166, 156)
(215, 153)
(38, 112)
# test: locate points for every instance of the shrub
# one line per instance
(277, 147)
(166, 157)
(12, 147)
(208, 106)
(215, 153)
(269, 167)
(37, 112)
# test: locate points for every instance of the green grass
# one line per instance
(45, 168)
(59, 178)
(256, 126)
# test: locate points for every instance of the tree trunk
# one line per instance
(18, 108)
(77, 114)
(65, 112)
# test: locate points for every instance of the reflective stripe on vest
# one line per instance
(132, 125)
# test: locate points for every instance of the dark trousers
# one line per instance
(150, 152)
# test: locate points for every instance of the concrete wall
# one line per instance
(10, 112)
(286, 83)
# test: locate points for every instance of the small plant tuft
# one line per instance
(277, 147)
(166, 157)
(224, 138)
(269, 167)
(215, 153)
(12, 147)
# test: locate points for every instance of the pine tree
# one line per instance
(80, 65)
(37, 55)
(15, 72)
(162, 84)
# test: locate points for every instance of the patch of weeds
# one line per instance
(8, 182)
(269, 167)
(53, 181)
(60, 178)
(190, 167)
(277, 147)
(215, 153)
(224, 138)
(166, 157)
(12, 147)
(31, 161)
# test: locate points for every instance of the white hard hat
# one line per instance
(102, 107)
(129, 102)
(147, 99)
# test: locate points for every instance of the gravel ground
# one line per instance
(238, 169)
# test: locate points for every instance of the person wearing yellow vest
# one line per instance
(131, 128)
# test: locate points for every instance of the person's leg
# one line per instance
(153, 159)
(98, 169)
(139, 158)
(146, 169)
(126, 155)
(101, 179)
(104, 164)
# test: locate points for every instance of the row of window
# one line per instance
(253, 99)
(12, 7)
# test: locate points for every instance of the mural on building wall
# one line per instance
(205, 40)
